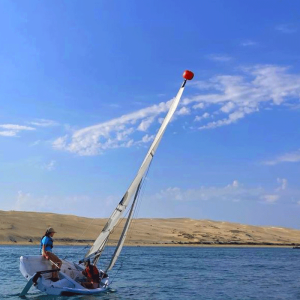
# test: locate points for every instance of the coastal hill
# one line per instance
(28, 227)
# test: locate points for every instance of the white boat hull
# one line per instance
(70, 277)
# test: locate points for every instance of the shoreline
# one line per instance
(27, 228)
(182, 245)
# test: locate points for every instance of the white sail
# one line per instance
(100, 242)
(124, 233)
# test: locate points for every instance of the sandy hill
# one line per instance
(28, 227)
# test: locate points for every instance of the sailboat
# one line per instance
(37, 270)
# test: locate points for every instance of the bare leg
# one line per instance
(57, 261)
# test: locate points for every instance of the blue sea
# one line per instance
(176, 273)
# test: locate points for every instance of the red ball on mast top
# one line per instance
(188, 75)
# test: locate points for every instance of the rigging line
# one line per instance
(106, 241)
(136, 212)
(77, 241)
(143, 189)
(138, 200)
(113, 278)
(130, 229)
(140, 197)
(122, 220)
(127, 213)
(132, 207)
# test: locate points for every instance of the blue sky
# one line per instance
(84, 85)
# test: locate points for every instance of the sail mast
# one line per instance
(98, 246)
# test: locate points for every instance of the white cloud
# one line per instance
(60, 143)
(232, 118)
(147, 138)
(292, 157)
(228, 107)
(13, 129)
(16, 127)
(70, 204)
(235, 183)
(199, 105)
(270, 198)
(286, 28)
(44, 123)
(283, 183)
(50, 166)
(233, 192)
(236, 96)
(22, 199)
(8, 133)
(37, 142)
(259, 88)
(145, 124)
(30, 202)
(115, 133)
(183, 111)
(204, 116)
(220, 57)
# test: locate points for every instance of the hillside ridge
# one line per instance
(25, 228)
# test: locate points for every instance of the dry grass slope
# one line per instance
(28, 227)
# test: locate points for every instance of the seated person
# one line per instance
(46, 251)
(92, 274)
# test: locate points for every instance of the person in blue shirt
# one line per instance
(46, 251)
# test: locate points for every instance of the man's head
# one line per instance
(87, 262)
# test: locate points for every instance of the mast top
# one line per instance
(188, 75)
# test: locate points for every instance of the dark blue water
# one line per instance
(177, 273)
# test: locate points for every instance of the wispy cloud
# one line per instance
(13, 129)
(291, 157)
(8, 133)
(258, 88)
(232, 118)
(234, 192)
(114, 105)
(30, 202)
(283, 184)
(286, 28)
(204, 116)
(228, 98)
(111, 134)
(44, 123)
(145, 124)
(183, 111)
(50, 166)
(35, 143)
(147, 138)
(16, 127)
(25, 201)
(248, 43)
(219, 57)
(270, 199)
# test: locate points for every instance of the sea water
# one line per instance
(175, 273)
